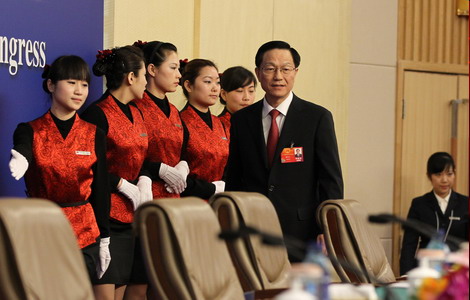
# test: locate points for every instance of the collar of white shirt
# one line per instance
(282, 108)
(443, 201)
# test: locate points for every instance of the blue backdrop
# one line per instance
(32, 33)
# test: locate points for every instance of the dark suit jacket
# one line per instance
(424, 209)
(295, 189)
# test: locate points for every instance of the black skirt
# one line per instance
(121, 247)
(91, 255)
(139, 272)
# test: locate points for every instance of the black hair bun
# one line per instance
(183, 63)
(45, 72)
(99, 68)
(104, 59)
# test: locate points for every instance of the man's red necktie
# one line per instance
(273, 136)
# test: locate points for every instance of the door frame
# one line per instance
(402, 67)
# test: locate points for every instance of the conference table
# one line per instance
(347, 291)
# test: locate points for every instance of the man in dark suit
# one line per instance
(261, 146)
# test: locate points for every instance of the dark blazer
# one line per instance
(295, 189)
(424, 209)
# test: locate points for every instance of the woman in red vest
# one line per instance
(164, 126)
(238, 89)
(63, 159)
(207, 149)
(127, 145)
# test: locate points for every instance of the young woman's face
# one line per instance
(239, 98)
(205, 90)
(442, 182)
(138, 88)
(167, 75)
(68, 95)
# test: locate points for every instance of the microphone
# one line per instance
(420, 227)
(293, 246)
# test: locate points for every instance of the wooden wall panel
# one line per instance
(430, 31)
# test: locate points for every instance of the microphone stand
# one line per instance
(419, 227)
(296, 248)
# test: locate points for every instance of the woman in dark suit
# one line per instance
(442, 208)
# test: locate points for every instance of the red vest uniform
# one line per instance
(61, 171)
(126, 150)
(165, 139)
(207, 150)
(225, 119)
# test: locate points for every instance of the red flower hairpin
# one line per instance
(104, 54)
(183, 63)
(139, 43)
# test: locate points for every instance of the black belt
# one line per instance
(72, 204)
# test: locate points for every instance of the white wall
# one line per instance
(371, 117)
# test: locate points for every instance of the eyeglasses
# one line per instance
(272, 70)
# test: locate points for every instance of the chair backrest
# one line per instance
(39, 254)
(259, 266)
(184, 258)
(350, 238)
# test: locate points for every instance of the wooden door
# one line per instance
(426, 125)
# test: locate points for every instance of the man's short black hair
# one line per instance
(276, 45)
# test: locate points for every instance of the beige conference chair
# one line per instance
(350, 238)
(39, 255)
(184, 258)
(259, 267)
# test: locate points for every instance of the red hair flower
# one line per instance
(183, 63)
(139, 44)
(104, 54)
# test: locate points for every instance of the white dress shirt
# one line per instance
(443, 201)
(266, 117)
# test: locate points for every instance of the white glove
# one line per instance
(173, 178)
(183, 169)
(105, 257)
(18, 164)
(131, 191)
(219, 186)
(145, 187)
(169, 189)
